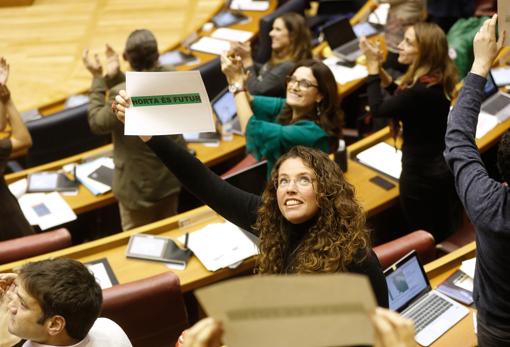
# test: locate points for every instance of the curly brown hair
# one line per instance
(336, 239)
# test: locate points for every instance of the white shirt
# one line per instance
(104, 333)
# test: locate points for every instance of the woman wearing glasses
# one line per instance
(309, 116)
(307, 218)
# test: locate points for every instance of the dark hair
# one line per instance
(503, 157)
(433, 59)
(336, 239)
(141, 50)
(329, 116)
(299, 36)
(64, 287)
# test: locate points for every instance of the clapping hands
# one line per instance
(95, 66)
(486, 47)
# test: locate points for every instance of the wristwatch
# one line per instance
(235, 88)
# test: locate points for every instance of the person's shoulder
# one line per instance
(106, 332)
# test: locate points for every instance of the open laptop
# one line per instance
(343, 40)
(224, 106)
(496, 103)
(410, 294)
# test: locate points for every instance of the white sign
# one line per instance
(164, 103)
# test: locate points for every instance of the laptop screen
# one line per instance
(406, 281)
(339, 33)
(490, 87)
(225, 106)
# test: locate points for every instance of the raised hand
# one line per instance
(112, 61)
(373, 54)
(232, 68)
(4, 71)
(120, 104)
(205, 333)
(485, 46)
(93, 65)
(6, 280)
(392, 330)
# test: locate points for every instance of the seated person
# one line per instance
(145, 190)
(291, 41)
(56, 303)
(309, 116)
(391, 330)
(13, 223)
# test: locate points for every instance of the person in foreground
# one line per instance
(486, 201)
(13, 223)
(309, 116)
(391, 330)
(308, 219)
(421, 101)
(55, 303)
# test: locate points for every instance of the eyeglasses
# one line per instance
(302, 84)
(301, 181)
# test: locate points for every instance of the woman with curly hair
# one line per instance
(308, 219)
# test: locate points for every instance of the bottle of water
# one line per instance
(341, 155)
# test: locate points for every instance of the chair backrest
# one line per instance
(213, 77)
(262, 49)
(61, 135)
(32, 245)
(421, 241)
(151, 311)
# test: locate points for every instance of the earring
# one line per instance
(318, 108)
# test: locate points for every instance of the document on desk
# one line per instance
(233, 35)
(298, 311)
(165, 103)
(219, 245)
(85, 174)
(384, 158)
(468, 267)
(249, 5)
(210, 45)
(46, 209)
(344, 74)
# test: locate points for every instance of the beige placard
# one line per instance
(504, 19)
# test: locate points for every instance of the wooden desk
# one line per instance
(86, 201)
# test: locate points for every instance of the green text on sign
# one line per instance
(161, 100)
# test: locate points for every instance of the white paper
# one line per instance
(384, 158)
(468, 267)
(167, 119)
(219, 245)
(501, 75)
(380, 15)
(464, 282)
(232, 35)
(210, 45)
(85, 169)
(344, 74)
(19, 187)
(46, 210)
(249, 5)
(486, 123)
(101, 275)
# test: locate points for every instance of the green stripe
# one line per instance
(160, 100)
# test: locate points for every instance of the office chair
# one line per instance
(151, 311)
(33, 245)
(61, 135)
(421, 241)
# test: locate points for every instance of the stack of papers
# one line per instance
(232, 35)
(220, 245)
(249, 5)
(85, 173)
(46, 210)
(468, 267)
(345, 74)
(383, 158)
(210, 45)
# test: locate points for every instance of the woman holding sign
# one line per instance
(309, 116)
(307, 219)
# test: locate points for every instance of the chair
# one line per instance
(462, 236)
(33, 245)
(61, 135)
(420, 240)
(151, 311)
(213, 77)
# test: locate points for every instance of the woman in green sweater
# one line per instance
(309, 116)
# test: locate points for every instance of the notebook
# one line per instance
(342, 40)
(410, 294)
(495, 103)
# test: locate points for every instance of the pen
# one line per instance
(186, 238)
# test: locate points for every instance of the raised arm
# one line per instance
(485, 200)
(236, 205)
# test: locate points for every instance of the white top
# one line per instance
(104, 332)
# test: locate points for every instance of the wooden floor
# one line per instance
(43, 43)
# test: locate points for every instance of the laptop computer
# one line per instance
(224, 106)
(342, 39)
(410, 294)
(495, 103)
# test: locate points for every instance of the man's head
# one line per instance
(54, 300)
(503, 160)
(141, 50)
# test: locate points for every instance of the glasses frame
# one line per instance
(303, 84)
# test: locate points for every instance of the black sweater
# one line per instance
(238, 206)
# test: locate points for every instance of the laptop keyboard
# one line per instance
(496, 104)
(426, 311)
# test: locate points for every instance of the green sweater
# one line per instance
(266, 138)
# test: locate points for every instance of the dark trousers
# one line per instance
(490, 336)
